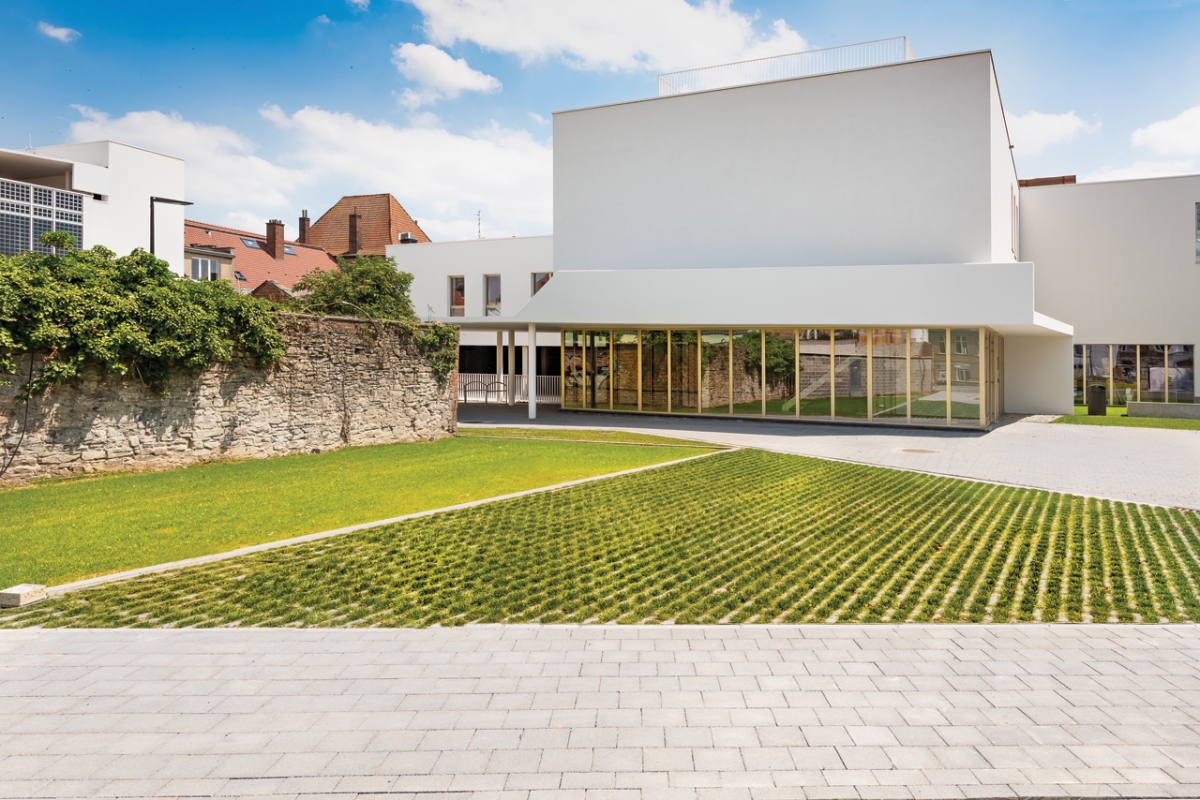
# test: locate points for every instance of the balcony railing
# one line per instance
(794, 65)
(475, 387)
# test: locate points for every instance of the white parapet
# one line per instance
(24, 594)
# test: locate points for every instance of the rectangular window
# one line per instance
(960, 344)
(205, 269)
(458, 296)
(540, 279)
(491, 291)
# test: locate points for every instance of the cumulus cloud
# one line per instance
(1031, 133)
(65, 35)
(359, 5)
(221, 166)
(1179, 136)
(660, 35)
(1140, 169)
(437, 74)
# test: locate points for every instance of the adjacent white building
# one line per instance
(100, 192)
(845, 241)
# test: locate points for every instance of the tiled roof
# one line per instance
(255, 263)
(383, 220)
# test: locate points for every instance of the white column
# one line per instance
(499, 354)
(531, 370)
(512, 367)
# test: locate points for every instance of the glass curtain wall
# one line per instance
(889, 374)
(964, 376)
(1124, 375)
(572, 363)
(1152, 373)
(780, 363)
(927, 370)
(1078, 376)
(685, 363)
(1181, 373)
(716, 376)
(654, 371)
(625, 370)
(850, 373)
(746, 371)
(597, 386)
(815, 388)
(1098, 368)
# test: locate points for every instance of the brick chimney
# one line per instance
(355, 234)
(275, 239)
(303, 238)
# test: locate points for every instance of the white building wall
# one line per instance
(1005, 189)
(121, 222)
(1037, 375)
(1116, 260)
(887, 165)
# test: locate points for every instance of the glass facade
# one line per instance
(1181, 373)
(1147, 373)
(922, 376)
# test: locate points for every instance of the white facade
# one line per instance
(117, 182)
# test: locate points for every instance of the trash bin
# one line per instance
(1097, 400)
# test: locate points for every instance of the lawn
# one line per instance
(743, 536)
(1116, 419)
(64, 530)
(620, 437)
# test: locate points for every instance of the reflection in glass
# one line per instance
(746, 363)
(850, 373)
(927, 368)
(596, 369)
(683, 371)
(889, 395)
(815, 372)
(714, 363)
(654, 370)
(1078, 373)
(624, 370)
(964, 376)
(491, 293)
(573, 378)
(1152, 374)
(1097, 367)
(781, 372)
(1181, 375)
(1124, 374)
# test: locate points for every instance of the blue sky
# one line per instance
(279, 106)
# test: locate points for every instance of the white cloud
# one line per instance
(322, 20)
(661, 35)
(1179, 136)
(1141, 169)
(538, 118)
(1031, 133)
(359, 5)
(221, 166)
(65, 35)
(438, 74)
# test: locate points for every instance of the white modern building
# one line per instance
(835, 235)
(99, 192)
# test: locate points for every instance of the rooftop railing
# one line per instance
(780, 68)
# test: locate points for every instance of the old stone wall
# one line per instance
(341, 382)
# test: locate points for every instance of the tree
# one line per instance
(367, 286)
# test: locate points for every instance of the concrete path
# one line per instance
(590, 713)
(1137, 464)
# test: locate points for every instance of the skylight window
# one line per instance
(250, 243)
(288, 249)
(237, 274)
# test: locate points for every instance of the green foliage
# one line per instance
(781, 356)
(59, 240)
(367, 286)
(371, 287)
(744, 536)
(128, 315)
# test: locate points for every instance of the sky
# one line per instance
(284, 105)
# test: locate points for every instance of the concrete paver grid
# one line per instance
(1140, 465)
(604, 711)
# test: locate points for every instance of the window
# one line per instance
(458, 296)
(961, 347)
(491, 284)
(237, 274)
(250, 243)
(539, 280)
(287, 248)
(962, 373)
(205, 269)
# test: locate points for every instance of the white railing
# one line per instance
(794, 65)
(475, 387)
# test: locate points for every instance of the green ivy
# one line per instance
(130, 315)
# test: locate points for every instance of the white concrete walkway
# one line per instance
(1137, 464)
(590, 713)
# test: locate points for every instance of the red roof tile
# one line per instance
(255, 263)
(383, 220)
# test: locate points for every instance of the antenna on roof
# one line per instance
(478, 225)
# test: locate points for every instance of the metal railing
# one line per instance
(794, 65)
(475, 387)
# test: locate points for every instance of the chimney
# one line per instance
(275, 239)
(355, 234)
(303, 238)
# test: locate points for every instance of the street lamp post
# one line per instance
(154, 200)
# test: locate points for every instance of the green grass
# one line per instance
(743, 536)
(61, 531)
(618, 437)
(1116, 419)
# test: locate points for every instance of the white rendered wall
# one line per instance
(1037, 375)
(892, 165)
(121, 222)
(514, 260)
(1005, 188)
(1116, 260)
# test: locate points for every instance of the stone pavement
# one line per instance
(1142, 465)
(599, 712)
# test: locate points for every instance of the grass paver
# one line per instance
(64, 530)
(743, 536)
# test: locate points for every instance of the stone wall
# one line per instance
(341, 382)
